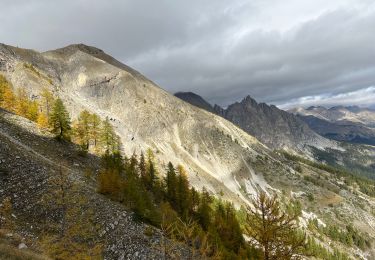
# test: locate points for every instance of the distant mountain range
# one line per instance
(351, 124)
(365, 116)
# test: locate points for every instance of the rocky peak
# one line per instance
(272, 126)
(248, 100)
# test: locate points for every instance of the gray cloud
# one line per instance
(277, 51)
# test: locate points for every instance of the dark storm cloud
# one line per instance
(283, 52)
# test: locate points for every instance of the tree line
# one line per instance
(88, 130)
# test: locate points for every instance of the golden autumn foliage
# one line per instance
(7, 97)
(42, 121)
(6, 218)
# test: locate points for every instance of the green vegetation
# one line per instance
(367, 186)
(212, 226)
(348, 236)
(60, 121)
(319, 251)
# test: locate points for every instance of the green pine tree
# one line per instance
(60, 121)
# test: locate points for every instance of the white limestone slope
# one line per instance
(214, 151)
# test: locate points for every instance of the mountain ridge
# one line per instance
(272, 126)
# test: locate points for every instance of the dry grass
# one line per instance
(9, 249)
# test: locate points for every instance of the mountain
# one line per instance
(272, 126)
(344, 130)
(355, 114)
(230, 163)
(195, 100)
(350, 124)
(144, 115)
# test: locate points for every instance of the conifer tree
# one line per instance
(45, 104)
(22, 102)
(204, 209)
(227, 227)
(182, 192)
(142, 168)
(82, 130)
(110, 141)
(47, 101)
(95, 124)
(33, 111)
(151, 169)
(60, 121)
(7, 97)
(170, 184)
(3, 85)
(26, 107)
(275, 230)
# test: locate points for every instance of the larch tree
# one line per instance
(82, 130)
(183, 197)
(110, 141)
(60, 121)
(7, 97)
(46, 103)
(25, 106)
(274, 230)
(95, 127)
(171, 184)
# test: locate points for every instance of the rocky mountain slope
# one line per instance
(144, 115)
(217, 155)
(272, 126)
(29, 158)
(279, 129)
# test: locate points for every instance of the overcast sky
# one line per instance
(284, 52)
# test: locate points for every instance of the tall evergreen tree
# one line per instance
(182, 192)
(204, 209)
(60, 121)
(142, 168)
(170, 184)
(110, 141)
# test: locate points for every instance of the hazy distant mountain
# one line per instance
(351, 124)
(344, 130)
(365, 116)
